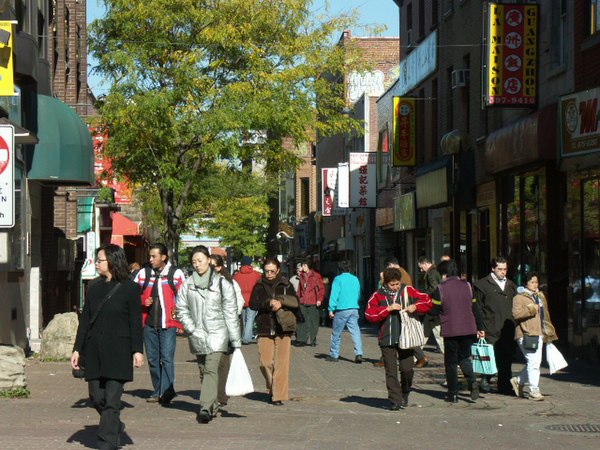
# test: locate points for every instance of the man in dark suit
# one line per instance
(494, 294)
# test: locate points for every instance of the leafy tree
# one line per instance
(192, 80)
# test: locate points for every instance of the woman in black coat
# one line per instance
(111, 346)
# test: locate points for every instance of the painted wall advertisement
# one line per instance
(363, 180)
(580, 123)
(512, 55)
(403, 126)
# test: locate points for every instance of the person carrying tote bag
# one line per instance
(530, 311)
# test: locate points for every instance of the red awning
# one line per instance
(122, 226)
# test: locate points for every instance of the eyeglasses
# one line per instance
(100, 260)
(270, 271)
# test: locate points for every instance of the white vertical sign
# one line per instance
(363, 180)
(343, 185)
(328, 181)
(7, 176)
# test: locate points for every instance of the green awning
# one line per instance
(65, 152)
(85, 214)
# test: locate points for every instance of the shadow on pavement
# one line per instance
(87, 437)
(141, 393)
(87, 403)
(373, 402)
(258, 397)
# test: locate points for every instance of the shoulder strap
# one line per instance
(405, 297)
(104, 300)
(171, 278)
(147, 275)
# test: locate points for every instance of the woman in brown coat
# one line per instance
(530, 311)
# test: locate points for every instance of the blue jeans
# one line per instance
(345, 318)
(160, 351)
(248, 315)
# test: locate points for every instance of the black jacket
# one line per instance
(496, 308)
(262, 293)
(107, 347)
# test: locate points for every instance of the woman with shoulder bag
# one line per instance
(272, 297)
(533, 329)
(207, 309)
(109, 340)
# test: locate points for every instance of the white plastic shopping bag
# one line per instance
(484, 360)
(239, 381)
(555, 359)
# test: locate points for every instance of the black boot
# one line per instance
(405, 399)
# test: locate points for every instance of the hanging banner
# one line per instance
(343, 190)
(329, 181)
(7, 179)
(363, 180)
(403, 126)
(7, 83)
(512, 55)
(579, 118)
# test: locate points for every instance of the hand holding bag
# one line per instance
(239, 381)
(555, 359)
(411, 331)
(484, 360)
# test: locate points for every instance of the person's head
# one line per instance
(392, 279)
(445, 257)
(424, 263)
(111, 262)
(271, 268)
(246, 261)
(217, 262)
(344, 266)
(307, 265)
(298, 268)
(532, 281)
(159, 255)
(200, 259)
(134, 267)
(499, 267)
(391, 261)
(448, 268)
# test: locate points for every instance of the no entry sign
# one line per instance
(7, 172)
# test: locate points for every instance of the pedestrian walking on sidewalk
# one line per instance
(109, 340)
(247, 277)
(343, 309)
(461, 324)
(208, 310)
(530, 311)
(311, 292)
(383, 308)
(274, 344)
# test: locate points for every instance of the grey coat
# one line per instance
(211, 321)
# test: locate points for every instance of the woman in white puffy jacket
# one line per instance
(207, 309)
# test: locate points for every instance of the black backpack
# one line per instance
(170, 278)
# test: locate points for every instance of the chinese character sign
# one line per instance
(7, 84)
(512, 55)
(328, 181)
(580, 123)
(363, 180)
(7, 181)
(404, 132)
(343, 190)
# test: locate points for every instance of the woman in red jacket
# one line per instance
(383, 308)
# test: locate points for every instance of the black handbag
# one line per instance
(531, 342)
(80, 373)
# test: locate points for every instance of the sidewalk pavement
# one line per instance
(332, 406)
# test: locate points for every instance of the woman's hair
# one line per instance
(218, 262)
(391, 274)
(271, 260)
(117, 261)
(448, 268)
(199, 249)
(528, 276)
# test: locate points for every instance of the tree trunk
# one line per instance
(171, 224)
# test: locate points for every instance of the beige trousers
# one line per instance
(274, 354)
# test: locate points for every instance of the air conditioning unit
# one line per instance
(460, 78)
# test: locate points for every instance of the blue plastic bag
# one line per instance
(484, 361)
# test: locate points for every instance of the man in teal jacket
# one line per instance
(343, 309)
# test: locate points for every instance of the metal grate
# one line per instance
(581, 428)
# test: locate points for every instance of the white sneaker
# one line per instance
(536, 396)
(517, 388)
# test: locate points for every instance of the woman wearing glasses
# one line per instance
(273, 343)
(109, 340)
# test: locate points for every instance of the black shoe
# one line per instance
(395, 407)
(314, 344)
(299, 344)
(451, 398)
(277, 403)
(485, 387)
(168, 395)
(358, 359)
(331, 358)
(404, 400)
(475, 391)
(203, 416)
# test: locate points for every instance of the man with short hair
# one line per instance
(160, 283)
(311, 292)
(494, 294)
(246, 278)
(431, 324)
(343, 309)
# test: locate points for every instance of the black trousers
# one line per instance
(457, 351)
(106, 396)
(504, 350)
(395, 358)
